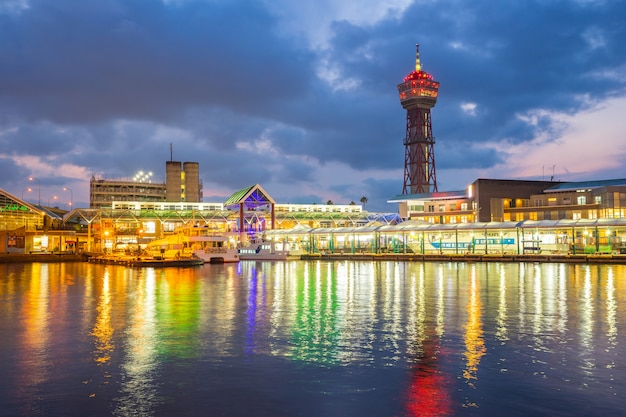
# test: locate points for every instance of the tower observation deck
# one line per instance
(418, 94)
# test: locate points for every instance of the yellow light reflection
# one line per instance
(139, 392)
(586, 313)
(474, 341)
(611, 316)
(502, 331)
(33, 360)
(102, 330)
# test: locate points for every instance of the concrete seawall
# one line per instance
(7, 258)
(590, 259)
(564, 258)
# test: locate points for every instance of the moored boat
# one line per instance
(194, 241)
(265, 250)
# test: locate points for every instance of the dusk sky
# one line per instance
(301, 96)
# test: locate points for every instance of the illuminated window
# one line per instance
(580, 200)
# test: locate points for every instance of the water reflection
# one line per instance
(434, 339)
(315, 330)
(33, 350)
(103, 330)
(502, 332)
(138, 394)
(474, 341)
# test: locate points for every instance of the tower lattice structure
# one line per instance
(418, 94)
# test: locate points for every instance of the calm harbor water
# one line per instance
(313, 339)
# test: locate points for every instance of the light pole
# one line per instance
(71, 196)
(38, 189)
(28, 189)
(54, 197)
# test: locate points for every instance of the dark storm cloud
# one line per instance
(105, 59)
(508, 58)
(13, 176)
(45, 138)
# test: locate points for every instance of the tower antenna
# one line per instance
(418, 64)
(171, 152)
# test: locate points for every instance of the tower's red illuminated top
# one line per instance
(419, 88)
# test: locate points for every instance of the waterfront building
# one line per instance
(246, 213)
(28, 228)
(104, 191)
(490, 216)
(492, 200)
(182, 183)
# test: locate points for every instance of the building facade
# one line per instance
(103, 192)
(493, 200)
(182, 181)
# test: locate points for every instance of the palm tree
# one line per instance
(330, 202)
(363, 200)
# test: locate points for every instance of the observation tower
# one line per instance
(418, 94)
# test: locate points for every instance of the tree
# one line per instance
(363, 200)
(330, 202)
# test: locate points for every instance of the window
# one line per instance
(463, 206)
(581, 200)
(597, 199)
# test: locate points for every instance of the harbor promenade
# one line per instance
(473, 257)
(407, 257)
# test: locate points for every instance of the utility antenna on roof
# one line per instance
(171, 153)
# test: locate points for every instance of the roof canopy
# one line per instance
(251, 197)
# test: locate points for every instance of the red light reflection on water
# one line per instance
(428, 394)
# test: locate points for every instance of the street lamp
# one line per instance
(28, 189)
(54, 197)
(71, 196)
(38, 189)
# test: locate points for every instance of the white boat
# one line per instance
(195, 241)
(264, 250)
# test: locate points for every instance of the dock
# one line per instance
(146, 262)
